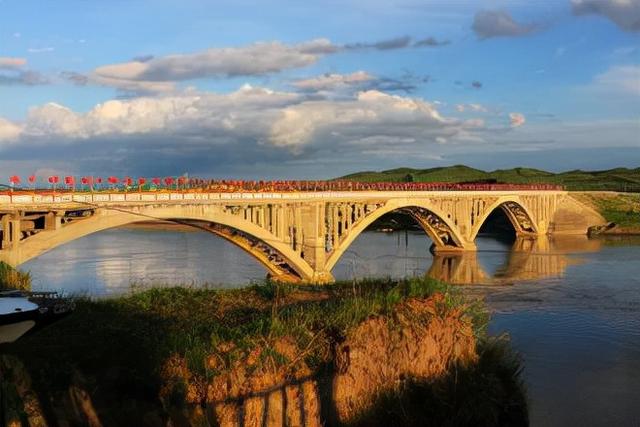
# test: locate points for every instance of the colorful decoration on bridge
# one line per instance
(225, 185)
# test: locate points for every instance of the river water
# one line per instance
(571, 306)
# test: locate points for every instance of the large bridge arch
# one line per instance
(419, 210)
(517, 213)
(244, 234)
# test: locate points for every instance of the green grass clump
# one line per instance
(621, 209)
(10, 278)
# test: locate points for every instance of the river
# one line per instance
(571, 306)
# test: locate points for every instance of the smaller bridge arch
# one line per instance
(444, 234)
(518, 214)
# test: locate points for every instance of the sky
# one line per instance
(316, 89)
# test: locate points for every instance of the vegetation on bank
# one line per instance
(621, 209)
(10, 278)
(118, 348)
(619, 179)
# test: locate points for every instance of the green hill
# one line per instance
(618, 179)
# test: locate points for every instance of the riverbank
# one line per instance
(621, 209)
(345, 354)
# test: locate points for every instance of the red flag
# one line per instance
(168, 180)
(53, 179)
(113, 180)
(14, 179)
(69, 180)
(127, 180)
(142, 181)
(99, 180)
(32, 179)
(156, 181)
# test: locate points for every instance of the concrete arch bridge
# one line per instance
(298, 237)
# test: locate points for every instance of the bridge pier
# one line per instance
(52, 221)
(11, 232)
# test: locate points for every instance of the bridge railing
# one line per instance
(169, 197)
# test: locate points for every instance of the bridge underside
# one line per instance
(295, 240)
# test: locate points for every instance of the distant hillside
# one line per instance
(618, 179)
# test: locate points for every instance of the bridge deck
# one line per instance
(19, 201)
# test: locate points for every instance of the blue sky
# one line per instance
(316, 89)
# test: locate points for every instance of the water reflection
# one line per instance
(110, 262)
(528, 259)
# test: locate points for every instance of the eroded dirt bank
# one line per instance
(301, 361)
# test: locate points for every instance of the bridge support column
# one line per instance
(11, 232)
(313, 226)
(446, 249)
(52, 221)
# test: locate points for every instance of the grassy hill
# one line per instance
(618, 179)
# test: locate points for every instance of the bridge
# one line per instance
(297, 236)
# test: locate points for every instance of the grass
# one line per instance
(619, 179)
(622, 209)
(118, 346)
(10, 278)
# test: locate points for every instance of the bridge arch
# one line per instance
(280, 260)
(517, 213)
(422, 212)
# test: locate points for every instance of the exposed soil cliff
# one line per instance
(316, 360)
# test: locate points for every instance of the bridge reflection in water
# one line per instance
(529, 259)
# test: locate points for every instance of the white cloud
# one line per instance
(40, 49)
(10, 63)
(159, 74)
(497, 23)
(620, 79)
(333, 81)
(476, 108)
(516, 119)
(8, 131)
(369, 113)
(256, 116)
(624, 13)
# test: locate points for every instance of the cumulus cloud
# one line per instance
(8, 131)
(476, 108)
(77, 79)
(248, 120)
(23, 77)
(12, 72)
(389, 44)
(497, 23)
(396, 43)
(41, 49)
(369, 113)
(159, 74)
(624, 13)
(619, 79)
(431, 42)
(341, 84)
(9, 63)
(516, 119)
(333, 81)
